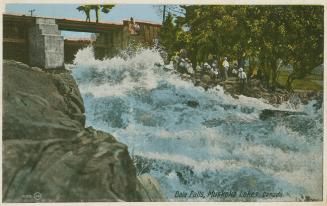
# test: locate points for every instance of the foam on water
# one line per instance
(192, 139)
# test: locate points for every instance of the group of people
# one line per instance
(240, 73)
(213, 69)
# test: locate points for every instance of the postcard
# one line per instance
(140, 102)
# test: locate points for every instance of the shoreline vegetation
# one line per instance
(254, 88)
(277, 47)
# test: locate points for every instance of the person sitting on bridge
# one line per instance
(133, 27)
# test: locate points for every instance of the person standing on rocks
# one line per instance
(198, 68)
(207, 68)
(242, 78)
(226, 67)
(234, 71)
(189, 66)
(175, 59)
(182, 66)
(214, 69)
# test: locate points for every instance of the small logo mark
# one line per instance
(37, 196)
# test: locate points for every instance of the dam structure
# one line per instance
(37, 41)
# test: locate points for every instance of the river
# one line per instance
(195, 141)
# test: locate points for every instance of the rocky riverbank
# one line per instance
(49, 155)
(254, 89)
(276, 97)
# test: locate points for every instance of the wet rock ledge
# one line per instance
(49, 155)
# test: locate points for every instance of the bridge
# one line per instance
(37, 41)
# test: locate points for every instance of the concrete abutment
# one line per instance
(46, 45)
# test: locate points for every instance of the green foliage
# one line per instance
(265, 35)
(173, 38)
(87, 8)
(106, 8)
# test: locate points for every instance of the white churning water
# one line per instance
(192, 139)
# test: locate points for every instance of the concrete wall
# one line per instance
(15, 41)
(36, 47)
(36, 44)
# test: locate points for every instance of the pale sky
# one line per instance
(118, 13)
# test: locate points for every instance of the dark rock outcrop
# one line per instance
(192, 103)
(49, 155)
(268, 113)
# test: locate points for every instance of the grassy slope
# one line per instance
(311, 82)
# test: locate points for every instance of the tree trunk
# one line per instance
(97, 15)
(289, 81)
(262, 72)
(273, 66)
(251, 66)
(267, 73)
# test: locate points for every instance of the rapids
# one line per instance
(201, 141)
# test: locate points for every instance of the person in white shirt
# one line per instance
(206, 68)
(189, 66)
(226, 67)
(234, 72)
(242, 77)
(198, 68)
(214, 68)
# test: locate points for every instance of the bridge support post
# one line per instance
(109, 44)
(46, 45)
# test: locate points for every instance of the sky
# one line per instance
(140, 12)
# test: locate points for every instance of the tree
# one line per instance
(306, 45)
(87, 8)
(96, 9)
(168, 36)
(173, 38)
(268, 36)
(106, 8)
(165, 10)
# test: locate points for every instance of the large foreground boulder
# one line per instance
(49, 155)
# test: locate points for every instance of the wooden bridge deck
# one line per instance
(83, 26)
(71, 24)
